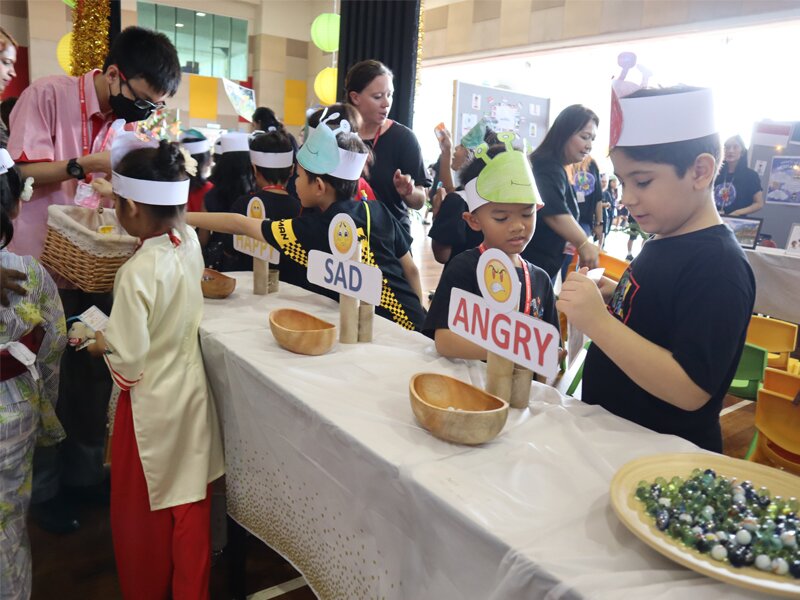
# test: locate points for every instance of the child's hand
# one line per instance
(99, 347)
(103, 187)
(580, 300)
(404, 184)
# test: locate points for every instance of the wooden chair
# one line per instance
(778, 337)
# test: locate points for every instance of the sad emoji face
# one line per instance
(343, 237)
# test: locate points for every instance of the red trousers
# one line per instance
(160, 554)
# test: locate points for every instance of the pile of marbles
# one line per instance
(730, 521)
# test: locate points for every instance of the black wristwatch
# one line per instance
(75, 170)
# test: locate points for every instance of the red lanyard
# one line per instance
(528, 293)
(274, 186)
(378, 135)
(86, 147)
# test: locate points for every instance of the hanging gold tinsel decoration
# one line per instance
(89, 35)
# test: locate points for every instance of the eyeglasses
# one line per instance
(141, 102)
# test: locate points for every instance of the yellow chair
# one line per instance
(783, 383)
(614, 267)
(778, 337)
(777, 440)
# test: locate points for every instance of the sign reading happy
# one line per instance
(338, 271)
(252, 247)
(494, 323)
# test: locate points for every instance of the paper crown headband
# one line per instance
(652, 120)
(271, 160)
(474, 137)
(144, 191)
(199, 146)
(321, 153)
(234, 141)
(5, 161)
(506, 178)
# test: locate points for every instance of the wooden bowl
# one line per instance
(216, 285)
(456, 411)
(300, 332)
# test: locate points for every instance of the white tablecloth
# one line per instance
(777, 282)
(326, 464)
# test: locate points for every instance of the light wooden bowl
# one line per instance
(456, 411)
(216, 285)
(300, 332)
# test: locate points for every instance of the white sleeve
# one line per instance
(127, 334)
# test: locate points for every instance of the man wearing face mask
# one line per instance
(60, 136)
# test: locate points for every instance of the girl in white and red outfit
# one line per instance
(166, 446)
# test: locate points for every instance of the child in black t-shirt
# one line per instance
(329, 167)
(502, 204)
(666, 347)
(272, 155)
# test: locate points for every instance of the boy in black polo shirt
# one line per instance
(666, 347)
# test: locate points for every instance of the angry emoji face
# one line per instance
(498, 281)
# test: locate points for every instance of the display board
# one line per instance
(504, 110)
(775, 156)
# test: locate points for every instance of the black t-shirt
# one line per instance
(219, 253)
(450, 229)
(745, 184)
(692, 295)
(276, 207)
(387, 243)
(546, 248)
(587, 208)
(460, 273)
(397, 148)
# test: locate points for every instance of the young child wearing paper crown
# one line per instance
(196, 144)
(502, 202)
(166, 443)
(666, 346)
(32, 339)
(329, 165)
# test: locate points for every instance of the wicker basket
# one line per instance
(75, 250)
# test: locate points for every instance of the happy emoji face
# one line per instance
(498, 281)
(255, 209)
(343, 238)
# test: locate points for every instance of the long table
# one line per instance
(777, 282)
(327, 465)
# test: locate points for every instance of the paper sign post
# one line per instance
(263, 254)
(494, 323)
(342, 271)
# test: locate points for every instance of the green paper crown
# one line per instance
(507, 177)
(474, 136)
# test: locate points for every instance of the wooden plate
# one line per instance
(631, 512)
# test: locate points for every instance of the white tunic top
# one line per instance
(152, 334)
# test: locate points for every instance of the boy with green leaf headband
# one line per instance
(502, 203)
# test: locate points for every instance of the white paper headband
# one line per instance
(155, 193)
(198, 147)
(5, 161)
(652, 120)
(272, 160)
(351, 165)
(235, 142)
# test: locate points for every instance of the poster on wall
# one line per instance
(504, 110)
(784, 181)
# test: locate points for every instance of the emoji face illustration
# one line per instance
(343, 237)
(255, 208)
(498, 281)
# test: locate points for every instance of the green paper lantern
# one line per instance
(325, 32)
(325, 85)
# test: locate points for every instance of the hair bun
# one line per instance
(170, 161)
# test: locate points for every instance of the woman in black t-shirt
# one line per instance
(568, 141)
(737, 189)
(398, 174)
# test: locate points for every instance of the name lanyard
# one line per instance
(528, 293)
(278, 187)
(377, 137)
(86, 148)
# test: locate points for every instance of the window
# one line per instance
(207, 44)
